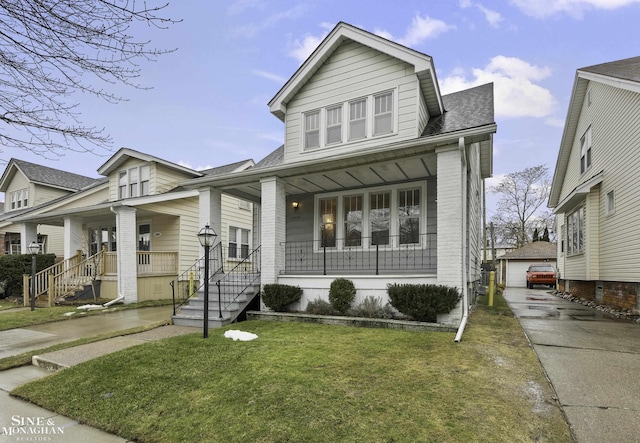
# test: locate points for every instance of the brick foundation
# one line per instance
(620, 295)
(583, 289)
(617, 295)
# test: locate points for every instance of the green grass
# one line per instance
(10, 319)
(301, 382)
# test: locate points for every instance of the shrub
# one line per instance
(320, 307)
(423, 302)
(342, 292)
(371, 307)
(13, 266)
(278, 297)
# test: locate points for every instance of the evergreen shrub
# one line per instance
(278, 297)
(342, 292)
(423, 302)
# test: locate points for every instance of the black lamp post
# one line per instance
(207, 237)
(34, 248)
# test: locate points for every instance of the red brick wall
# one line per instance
(620, 295)
(583, 289)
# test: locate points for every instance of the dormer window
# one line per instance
(312, 130)
(383, 114)
(359, 119)
(20, 199)
(133, 182)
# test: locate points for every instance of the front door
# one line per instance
(144, 245)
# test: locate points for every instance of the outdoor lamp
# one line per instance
(206, 237)
(34, 248)
(295, 205)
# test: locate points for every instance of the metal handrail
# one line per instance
(187, 284)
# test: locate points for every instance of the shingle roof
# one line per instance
(466, 109)
(536, 250)
(54, 177)
(273, 159)
(225, 169)
(626, 69)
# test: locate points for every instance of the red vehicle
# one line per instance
(541, 275)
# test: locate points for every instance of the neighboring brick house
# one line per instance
(380, 177)
(595, 187)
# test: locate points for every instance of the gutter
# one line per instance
(465, 293)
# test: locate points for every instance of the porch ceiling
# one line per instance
(329, 176)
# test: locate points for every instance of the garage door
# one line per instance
(517, 273)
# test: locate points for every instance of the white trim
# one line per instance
(365, 192)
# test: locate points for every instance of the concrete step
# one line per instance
(197, 321)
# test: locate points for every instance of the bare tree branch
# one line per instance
(523, 194)
(51, 49)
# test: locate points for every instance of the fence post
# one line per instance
(324, 260)
(377, 256)
(51, 290)
(25, 289)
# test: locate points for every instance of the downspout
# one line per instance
(465, 294)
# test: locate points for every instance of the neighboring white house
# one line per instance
(380, 178)
(137, 219)
(595, 187)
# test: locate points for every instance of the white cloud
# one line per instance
(493, 17)
(420, 29)
(303, 48)
(269, 76)
(494, 181)
(575, 8)
(515, 92)
(268, 21)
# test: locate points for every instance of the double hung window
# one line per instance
(20, 199)
(383, 114)
(238, 243)
(312, 130)
(358, 119)
(133, 182)
(575, 231)
(328, 214)
(585, 151)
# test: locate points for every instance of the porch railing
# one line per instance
(187, 284)
(148, 263)
(365, 255)
(65, 276)
(239, 279)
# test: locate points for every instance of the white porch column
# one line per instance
(450, 224)
(272, 228)
(73, 237)
(256, 237)
(210, 205)
(28, 234)
(126, 254)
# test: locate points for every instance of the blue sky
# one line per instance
(208, 105)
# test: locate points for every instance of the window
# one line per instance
(409, 216)
(388, 216)
(585, 151)
(334, 125)
(352, 220)
(380, 217)
(312, 130)
(122, 185)
(383, 114)
(358, 119)
(328, 214)
(133, 182)
(20, 199)
(610, 203)
(575, 231)
(238, 243)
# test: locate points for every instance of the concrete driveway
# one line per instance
(592, 360)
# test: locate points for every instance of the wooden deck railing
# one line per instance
(68, 275)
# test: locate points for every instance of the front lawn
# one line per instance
(302, 382)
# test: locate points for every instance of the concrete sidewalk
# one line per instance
(592, 360)
(14, 412)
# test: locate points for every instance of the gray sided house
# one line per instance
(380, 178)
(595, 187)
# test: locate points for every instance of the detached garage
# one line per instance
(513, 265)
